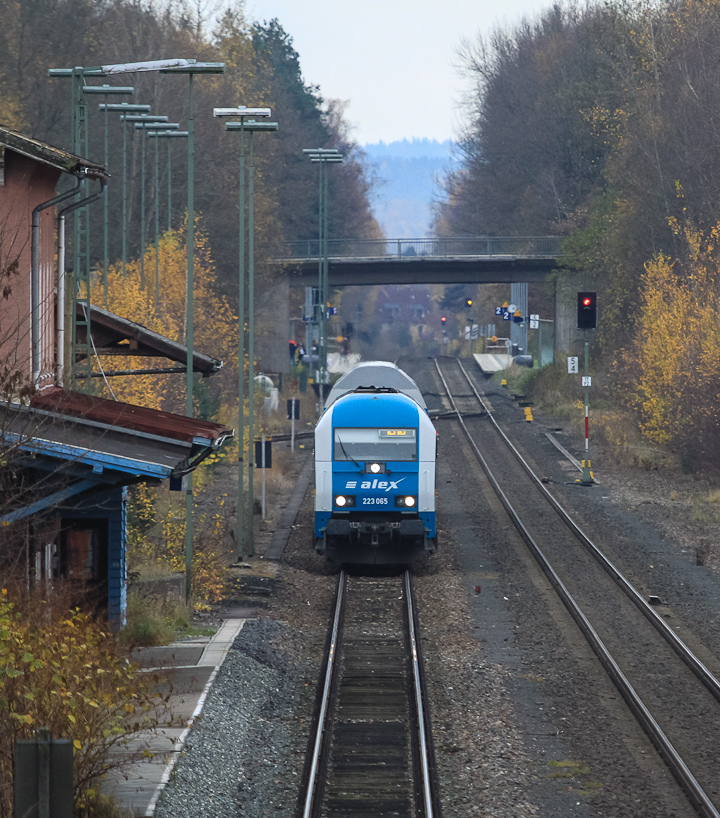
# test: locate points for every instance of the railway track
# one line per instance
(371, 748)
(672, 694)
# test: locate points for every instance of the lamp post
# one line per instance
(79, 143)
(157, 127)
(243, 126)
(167, 132)
(171, 66)
(141, 121)
(322, 157)
(106, 90)
(191, 70)
(124, 108)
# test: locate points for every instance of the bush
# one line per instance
(152, 621)
(60, 669)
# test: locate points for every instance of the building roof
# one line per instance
(47, 154)
(114, 335)
(89, 410)
(89, 443)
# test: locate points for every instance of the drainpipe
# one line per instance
(35, 274)
(61, 278)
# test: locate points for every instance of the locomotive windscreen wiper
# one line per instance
(347, 456)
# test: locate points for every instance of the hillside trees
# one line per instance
(600, 123)
(262, 69)
(538, 137)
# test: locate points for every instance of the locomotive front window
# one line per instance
(375, 444)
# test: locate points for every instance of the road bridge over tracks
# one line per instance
(452, 260)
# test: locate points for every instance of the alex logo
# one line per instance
(381, 485)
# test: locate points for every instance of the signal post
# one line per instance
(587, 320)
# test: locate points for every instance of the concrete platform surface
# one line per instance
(492, 362)
(188, 670)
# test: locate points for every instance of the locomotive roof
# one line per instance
(379, 374)
(370, 409)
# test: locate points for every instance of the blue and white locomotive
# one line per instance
(375, 449)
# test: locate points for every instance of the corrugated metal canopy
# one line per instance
(109, 331)
(95, 449)
(89, 409)
(83, 444)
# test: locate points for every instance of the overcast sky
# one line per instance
(394, 61)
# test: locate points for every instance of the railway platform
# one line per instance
(187, 670)
(491, 362)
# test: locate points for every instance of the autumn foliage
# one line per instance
(60, 669)
(676, 354)
(160, 305)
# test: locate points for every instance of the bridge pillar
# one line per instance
(272, 325)
(568, 284)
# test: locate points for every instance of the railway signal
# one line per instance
(468, 302)
(587, 310)
(443, 320)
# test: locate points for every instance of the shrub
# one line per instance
(60, 669)
(152, 621)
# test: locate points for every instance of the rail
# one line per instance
(407, 249)
(657, 736)
(312, 794)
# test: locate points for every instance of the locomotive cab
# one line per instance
(375, 478)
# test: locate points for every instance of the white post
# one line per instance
(262, 456)
(292, 424)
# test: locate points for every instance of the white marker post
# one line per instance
(293, 413)
(262, 451)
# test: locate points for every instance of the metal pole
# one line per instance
(189, 339)
(587, 478)
(157, 223)
(169, 175)
(251, 350)
(292, 425)
(326, 288)
(321, 296)
(142, 216)
(240, 521)
(105, 214)
(124, 194)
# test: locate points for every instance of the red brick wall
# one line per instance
(27, 184)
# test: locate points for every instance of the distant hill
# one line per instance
(408, 174)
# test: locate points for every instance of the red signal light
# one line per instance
(586, 310)
(443, 319)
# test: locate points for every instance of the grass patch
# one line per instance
(567, 769)
(520, 379)
(618, 428)
(152, 621)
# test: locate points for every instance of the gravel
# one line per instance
(525, 722)
(244, 755)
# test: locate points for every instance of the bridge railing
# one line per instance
(451, 247)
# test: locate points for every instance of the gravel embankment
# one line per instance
(525, 721)
(245, 754)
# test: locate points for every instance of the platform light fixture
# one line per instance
(243, 126)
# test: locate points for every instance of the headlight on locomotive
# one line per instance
(344, 500)
(406, 501)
